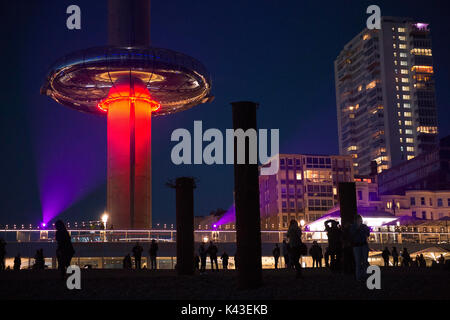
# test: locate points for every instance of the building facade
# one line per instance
(428, 171)
(385, 95)
(305, 187)
(422, 204)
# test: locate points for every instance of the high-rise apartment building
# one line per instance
(305, 188)
(385, 95)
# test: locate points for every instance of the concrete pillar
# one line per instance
(129, 23)
(184, 187)
(129, 127)
(246, 191)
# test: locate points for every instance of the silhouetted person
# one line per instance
(39, 260)
(285, 251)
(64, 251)
(197, 262)
(202, 253)
(422, 262)
(441, 259)
(212, 251)
(225, 258)
(327, 257)
(316, 254)
(334, 234)
(17, 262)
(127, 264)
(395, 256)
(153, 252)
(276, 254)
(359, 233)
(406, 259)
(137, 254)
(294, 235)
(2, 254)
(415, 262)
(385, 254)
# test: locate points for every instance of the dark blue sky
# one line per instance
(277, 53)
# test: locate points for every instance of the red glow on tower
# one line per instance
(122, 92)
(129, 108)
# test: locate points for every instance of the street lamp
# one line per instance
(302, 223)
(105, 219)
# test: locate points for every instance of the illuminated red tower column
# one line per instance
(129, 107)
(129, 200)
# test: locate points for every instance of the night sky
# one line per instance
(277, 53)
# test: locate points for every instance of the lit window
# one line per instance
(406, 97)
(402, 46)
(408, 131)
(405, 80)
(422, 69)
(407, 114)
(371, 85)
(409, 157)
(404, 71)
(409, 140)
(407, 105)
(421, 52)
(432, 130)
(410, 149)
(402, 55)
(299, 176)
(401, 29)
(408, 123)
(402, 38)
(405, 88)
(403, 63)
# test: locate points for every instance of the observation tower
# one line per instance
(129, 82)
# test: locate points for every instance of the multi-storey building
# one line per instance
(305, 187)
(385, 95)
(423, 204)
(428, 171)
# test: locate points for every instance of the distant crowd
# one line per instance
(350, 241)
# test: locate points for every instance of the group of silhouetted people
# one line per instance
(212, 251)
(64, 252)
(137, 251)
(293, 248)
(406, 260)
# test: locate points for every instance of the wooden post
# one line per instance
(246, 188)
